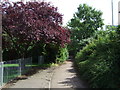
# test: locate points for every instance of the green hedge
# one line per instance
(62, 55)
(99, 63)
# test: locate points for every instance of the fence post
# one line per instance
(31, 62)
(1, 73)
(20, 71)
(23, 67)
(40, 59)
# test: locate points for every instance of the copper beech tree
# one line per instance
(26, 24)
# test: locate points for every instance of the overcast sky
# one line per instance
(69, 7)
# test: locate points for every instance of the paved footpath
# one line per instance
(63, 76)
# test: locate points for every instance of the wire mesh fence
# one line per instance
(9, 70)
(13, 68)
(26, 65)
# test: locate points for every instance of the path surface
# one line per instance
(63, 76)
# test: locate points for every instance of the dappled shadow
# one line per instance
(71, 70)
(74, 81)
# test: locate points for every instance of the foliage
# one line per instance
(118, 31)
(62, 55)
(56, 54)
(24, 25)
(111, 28)
(98, 62)
(45, 65)
(51, 51)
(85, 22)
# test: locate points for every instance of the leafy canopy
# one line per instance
(25, 24)
(84, 23)
(36, 21)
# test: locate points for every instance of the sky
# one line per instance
(69, 7)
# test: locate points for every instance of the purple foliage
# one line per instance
(34, 21)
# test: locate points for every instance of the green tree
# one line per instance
(84, 23)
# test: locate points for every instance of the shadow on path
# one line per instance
(65, 77)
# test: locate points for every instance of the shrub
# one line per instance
(55, 54)
(98, 62)
(62, 55)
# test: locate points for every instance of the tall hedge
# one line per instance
(99, 61)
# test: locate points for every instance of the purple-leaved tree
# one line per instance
(26, 24)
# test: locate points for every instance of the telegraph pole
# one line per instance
(0, 32)
(112, 12)
(119, 13)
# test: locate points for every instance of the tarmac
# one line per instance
(63, 76)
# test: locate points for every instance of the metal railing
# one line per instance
(9, 70)
(25, 65)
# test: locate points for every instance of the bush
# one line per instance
(62, 55)
(50, 51)
(98, 62)
(55, 54)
